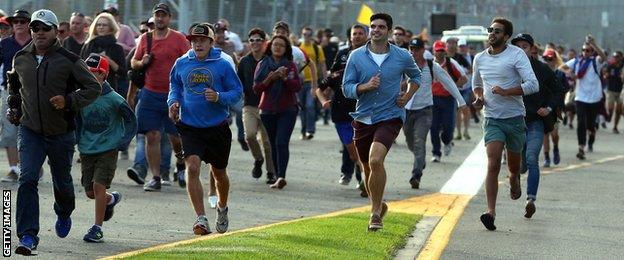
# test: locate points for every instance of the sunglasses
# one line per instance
(252, 40)
(36, 29)
(61, 31)
(548, 58)
(19, 21)
(101, 24)
(494, 30)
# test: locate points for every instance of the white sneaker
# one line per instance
(435, 158)
(10, 177)
(165, 183)
(447, 149)
(213, 201)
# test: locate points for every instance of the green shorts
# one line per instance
(510, 131)
(98, 168)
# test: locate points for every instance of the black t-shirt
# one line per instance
(330, 53)
(340, 105)
(72, 45)
(461, 60)
(615, 81)
(246, 70)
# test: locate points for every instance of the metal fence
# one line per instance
(561, 21)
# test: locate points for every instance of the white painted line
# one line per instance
(469, 177)
(418, 238)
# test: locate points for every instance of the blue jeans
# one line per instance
(140, 162)
(443, 121)
(279, 128)
(530, 156)
(33, 150)
(308, 109)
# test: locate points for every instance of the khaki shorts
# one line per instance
(614, 97)
(98, 168)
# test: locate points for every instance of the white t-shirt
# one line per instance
(508, 69)
(589, 88)
(378, 58)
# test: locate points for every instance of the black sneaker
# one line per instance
(243, 144)
(271, 179)
(110, 209)
(581, 154)
(133, 174)
(257, 169)
(415, 183)
(309, 136)
(152, 185)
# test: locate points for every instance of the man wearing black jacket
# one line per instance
(341, 106)
(539, 118)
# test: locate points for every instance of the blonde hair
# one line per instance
(558, 60)
(112, 24)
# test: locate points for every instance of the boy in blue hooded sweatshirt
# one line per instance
(203, 86)
(102, 128)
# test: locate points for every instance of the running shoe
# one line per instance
(94, 235)
(27, 246)
(556, 156)
(133, 174)
(447, 149)
(152, 185)
(110, 209)
(436, 158)
(10, 177)
(546, 162)
(257, 169)
(375, 223)
(63, 226)
(344, 180)
(222, 222)
(529, 209)
(201, 226)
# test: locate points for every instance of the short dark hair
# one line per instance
(400, 28)
(307, 28)
(288, 53)
(63, 23)
(358, 26)
(409, 32)
(383, 16)
(258, 31)
(506, 24)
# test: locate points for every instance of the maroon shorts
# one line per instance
(384, 132)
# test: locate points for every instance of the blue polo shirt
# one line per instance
(380, 105)
(8, 48)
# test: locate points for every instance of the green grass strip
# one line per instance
(339, 237)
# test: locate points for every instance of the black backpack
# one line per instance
(137, 77)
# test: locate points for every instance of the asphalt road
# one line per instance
(147, 219)
(579, 211)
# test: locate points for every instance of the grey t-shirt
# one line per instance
(423, 96)
(508, 69)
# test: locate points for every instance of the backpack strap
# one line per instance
(430, 65)
(449, 68)
(149, 42)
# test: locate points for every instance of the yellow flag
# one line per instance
(365, 13)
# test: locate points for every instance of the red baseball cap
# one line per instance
(439, 46)
(97, 63)
(549, 53)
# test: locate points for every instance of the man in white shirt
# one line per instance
(502, 74)
(585, 69)
(419, 110)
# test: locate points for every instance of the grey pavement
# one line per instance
(147, 219)
(579, 212)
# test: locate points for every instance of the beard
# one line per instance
(497, 43)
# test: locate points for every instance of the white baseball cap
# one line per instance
(461, 42)
(45, 16)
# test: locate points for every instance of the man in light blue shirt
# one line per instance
(373, 76)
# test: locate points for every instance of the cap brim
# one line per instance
(191, 37)
(161, 10)
(41, 21)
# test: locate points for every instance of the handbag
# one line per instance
(138, 76)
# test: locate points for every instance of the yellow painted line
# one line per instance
(441, 235)
(435, 204)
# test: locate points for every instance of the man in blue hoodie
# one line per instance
(203, 86)
(103, 127)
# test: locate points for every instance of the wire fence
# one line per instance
(561, 21)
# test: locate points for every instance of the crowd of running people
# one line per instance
(96, 84)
